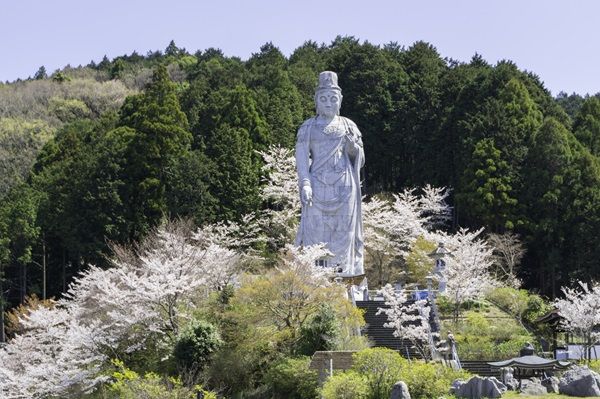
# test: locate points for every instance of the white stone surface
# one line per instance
(329, 156)
(478, 387)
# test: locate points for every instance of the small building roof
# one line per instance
(552, 317)
(531, 362)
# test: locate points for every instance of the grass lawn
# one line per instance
(515, 395)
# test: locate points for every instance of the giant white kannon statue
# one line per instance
(329, 156)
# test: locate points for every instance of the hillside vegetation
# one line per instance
(102, 153)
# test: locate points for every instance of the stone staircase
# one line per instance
(382, 336)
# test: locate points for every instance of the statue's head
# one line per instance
(328, 95)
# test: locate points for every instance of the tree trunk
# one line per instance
(64, 271)
(588, 351)
(43, 267)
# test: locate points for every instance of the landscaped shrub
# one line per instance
(291, 378)
(381, 368)
(446, 307)
(320, 332)
(479, 337)
(128, 384)
(521, 304)
(511, 348)
(239, 366)
(348, 385)
(196, 344)
(429, 380)
(594, 365)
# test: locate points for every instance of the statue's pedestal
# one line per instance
(356, 286)
(349, 280)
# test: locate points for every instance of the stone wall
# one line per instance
(324, 361)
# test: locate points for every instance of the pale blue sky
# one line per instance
(558, 40)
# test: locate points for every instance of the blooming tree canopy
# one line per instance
(391, 228)
(56, 353)
(408, 318)
(146, 296)
(467, 273)
(280, 221)
(580, 312)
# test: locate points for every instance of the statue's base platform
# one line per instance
(349, 280)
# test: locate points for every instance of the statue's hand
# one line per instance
(306, 195)
(352, 145)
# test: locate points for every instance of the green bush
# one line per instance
(511, 348)
(348, 385)
(595, 365)
(196, 344)
(446, 307)
(478, 337)
(291, 378)
(381, 368)
(239, 367)
(320, 332)
(521, 304)
(510, 300)
(429, 380)
(536, 307)
(128, 384)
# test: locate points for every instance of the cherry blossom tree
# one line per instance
(156, 285)
(147, 295)
(467, 272)
(391, 228)
(380, 248)
(415, 215)
(409, 319)
(280, 191)
(56, 356)
(580, 312)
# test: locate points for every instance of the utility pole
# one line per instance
(2, 333)
(44, 266)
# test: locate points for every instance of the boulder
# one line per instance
(580, 382)
(533, 387)
(400, 391)
(551, 384)
(477, 387)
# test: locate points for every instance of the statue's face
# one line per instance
(328, 102)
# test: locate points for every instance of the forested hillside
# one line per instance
(101, 154)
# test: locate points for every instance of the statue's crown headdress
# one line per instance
(328, 81)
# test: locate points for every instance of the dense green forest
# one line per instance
(101, 154)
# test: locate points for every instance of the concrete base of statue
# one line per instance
(357, 287)
(350, 279)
